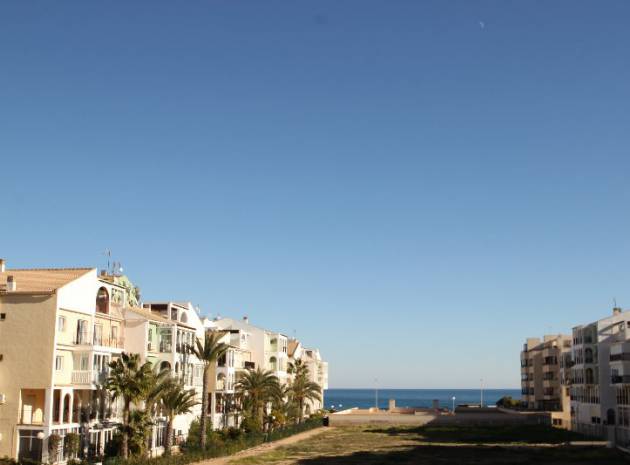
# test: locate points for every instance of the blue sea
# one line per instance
(364, 398)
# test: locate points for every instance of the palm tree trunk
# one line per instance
(301, 414)
(125, 435)
(204, 408)
(169, 436)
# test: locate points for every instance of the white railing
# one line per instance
(88, 376)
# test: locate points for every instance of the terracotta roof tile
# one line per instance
(40, 280)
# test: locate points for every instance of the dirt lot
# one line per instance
(435, 444)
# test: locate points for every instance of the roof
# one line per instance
(150, 315)
(292, 347)
(40, 280)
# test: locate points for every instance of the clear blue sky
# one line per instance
(413, 187)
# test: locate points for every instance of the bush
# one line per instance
(508, 402)
(220, 444)
(72, 444)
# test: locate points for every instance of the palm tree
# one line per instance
(298, 368)
(140, 425)
(282, 405)
(258, 387)
(128, 380)
(175, 401)
(208, 353)
(302, 389)
(159, 381)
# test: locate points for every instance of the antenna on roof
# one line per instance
(108, 254)
(614, 302)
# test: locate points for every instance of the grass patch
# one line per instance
(436, 445)
(521, 434)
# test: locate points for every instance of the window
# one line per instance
(3, 316)
(115, 335)
(61, 324)
(85, 362)
(59, 363)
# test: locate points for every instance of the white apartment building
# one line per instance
(161, 333)
(317, 368)
(59, 329)
(222, 404)
(597, 376)
(268, 349)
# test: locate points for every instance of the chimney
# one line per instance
(11, 284)
(3, 265)
(616, 311)
(246, 319)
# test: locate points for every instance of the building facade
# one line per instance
(60, 328)
(545, 366)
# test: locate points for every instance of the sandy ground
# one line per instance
(264, 447)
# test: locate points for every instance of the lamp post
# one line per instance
(453, 399)
(376, 393)
(481, 403)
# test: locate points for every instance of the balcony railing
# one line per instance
(619, 357)
(84, 339)
(88, 377)
(116, 342)
(619, 379)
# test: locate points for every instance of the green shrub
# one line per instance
(220, 443)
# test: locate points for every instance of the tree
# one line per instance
(72, 444)
(302, 388)
(298, 368)
(158, 381)
(257, 388)
(139, 427)
(208, 353)
(54, 441)
(175, 401)
(128, 380)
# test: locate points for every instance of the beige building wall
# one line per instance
(544, 377)
(27, 347)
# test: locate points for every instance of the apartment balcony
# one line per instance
(115, 343)
(88, 377)
(84, 339)
(620, 379)
(32, 407)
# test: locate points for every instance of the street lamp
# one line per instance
(453, 399)
(481, 380)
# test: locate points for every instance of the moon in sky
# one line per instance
(482, 25)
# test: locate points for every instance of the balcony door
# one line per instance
(82, 332)
(98, 334)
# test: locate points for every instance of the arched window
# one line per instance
(165, 366)
(102, 301)
(588, 355)
(273, 363)
(610, 416)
